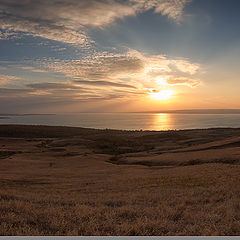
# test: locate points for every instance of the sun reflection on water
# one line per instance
(162, 121)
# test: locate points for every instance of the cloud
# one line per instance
(7, 92)
(73, 90)
(32, 69)
(104, 76)
(186, 67)
(183, 81)
(44, 29)
(7, 78)
(46, 92)
(68, 20)
(57, 90)
(123, 75)
(6, 35)
(123, 70)
(103, 83)
(171, 8)
(114, 70)
(50, 85)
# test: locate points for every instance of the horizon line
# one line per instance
(189, 111)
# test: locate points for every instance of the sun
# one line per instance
(162, 95)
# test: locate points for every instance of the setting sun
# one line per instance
(162, 95)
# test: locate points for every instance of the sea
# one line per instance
(128, 121)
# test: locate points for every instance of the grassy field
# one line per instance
(76, 181)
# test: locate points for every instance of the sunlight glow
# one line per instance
(161, 81)
(163, 95)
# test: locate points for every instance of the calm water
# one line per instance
(130, 121)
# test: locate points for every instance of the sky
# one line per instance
(65, 56)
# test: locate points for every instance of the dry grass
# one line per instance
(80, 190)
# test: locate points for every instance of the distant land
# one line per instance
(24, 114)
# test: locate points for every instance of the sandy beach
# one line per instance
(78, 181)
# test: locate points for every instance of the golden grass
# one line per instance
(79, 190)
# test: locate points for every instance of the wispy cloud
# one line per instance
(51, 85)
(184, 81)
(103, 83)
(68, 20)
(32, 69)
(58, 90)
(7, 78)
(171, 8)
(9, 92)
(6, 35)
(186, 66)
